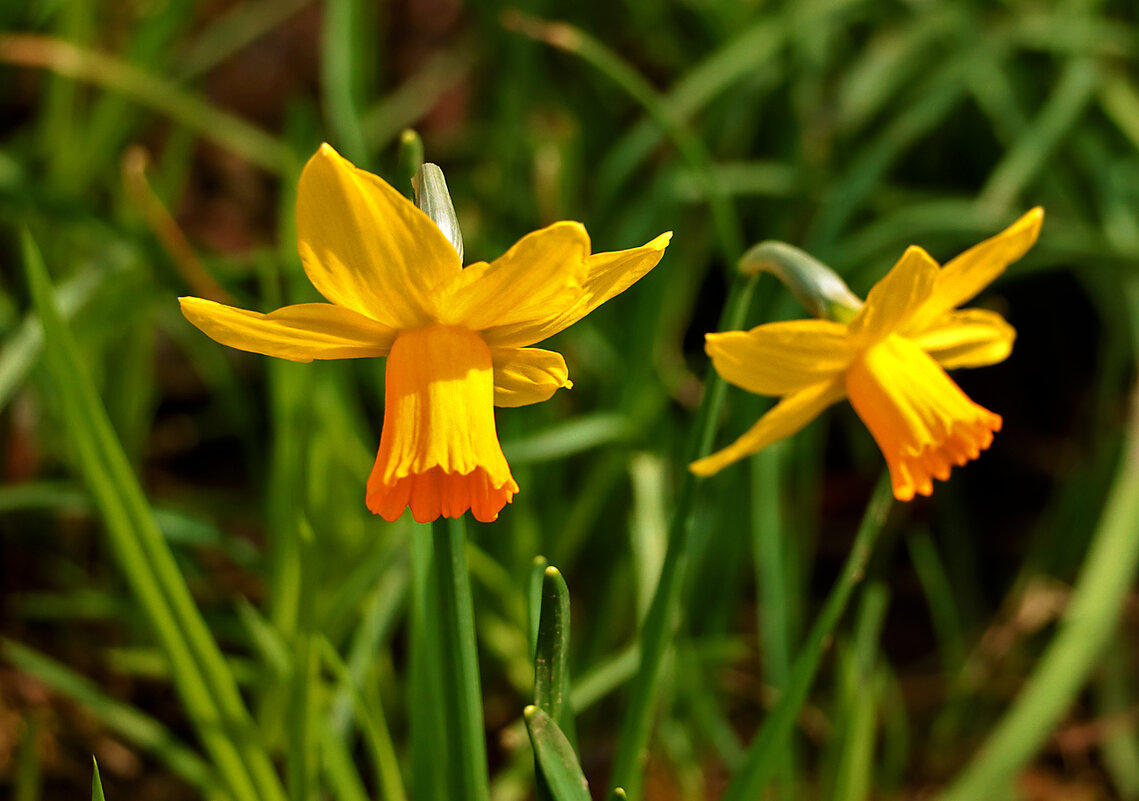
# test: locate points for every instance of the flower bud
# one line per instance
(819, 288)
(433, 199)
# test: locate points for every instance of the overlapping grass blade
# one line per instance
(207, 687)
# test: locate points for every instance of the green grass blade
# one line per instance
(854, 776)
(556, 757)
(232, 30)
(339, 769)
(373, 723)
(775, 585)
(729, 235)
(1034, 149)
(208, 689)
(28, 779)
(22, 348)
(764, 753)
(96, 782)
(939, 594)
(730, 63)
(1120, 101)
(144, 88)
(551, 675)
(340, 72)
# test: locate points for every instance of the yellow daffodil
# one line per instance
(889, 359)
(455, 338)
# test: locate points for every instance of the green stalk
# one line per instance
(463, 721)
(661, 618)
(765, 754)
(428, 741)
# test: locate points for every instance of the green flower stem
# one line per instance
(1088, 624)
(661, 618)
(463, 721)
(766, 753)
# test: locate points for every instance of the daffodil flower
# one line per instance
(890, 359)
(455, 338)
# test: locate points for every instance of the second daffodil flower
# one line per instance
(890, 359)
(455, 338)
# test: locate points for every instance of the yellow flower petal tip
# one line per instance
(890, 360)
(704, 467)
(456, 339)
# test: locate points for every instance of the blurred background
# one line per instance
(152, 148)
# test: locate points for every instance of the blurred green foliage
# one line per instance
(152, 151)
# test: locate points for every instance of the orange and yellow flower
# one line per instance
(889, 359)
(455, 338)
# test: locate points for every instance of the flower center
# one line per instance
(921, 420)
(439, 450)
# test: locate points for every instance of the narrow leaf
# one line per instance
(556, 758)
(96, 783)
(550, 674)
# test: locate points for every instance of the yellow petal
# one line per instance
(527, 375)
(541, 274)
(439, 451)
(964, 276)
(299, 333)
(780, 358)
(894, 299)
(367, 247)
(783, 420)
(967, 338)
(607, 275)
(922, 421)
